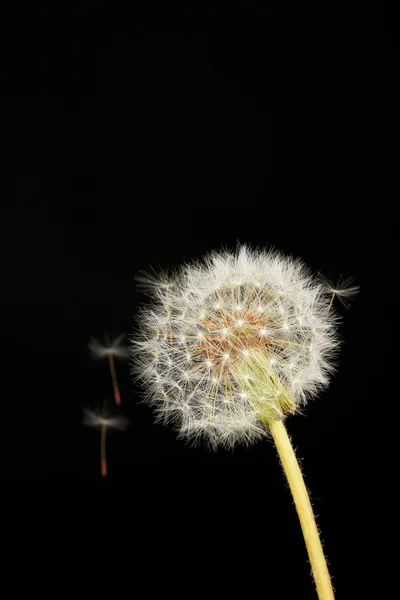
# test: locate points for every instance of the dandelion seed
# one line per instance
(344, 290)
(110, 349)
(100, 419)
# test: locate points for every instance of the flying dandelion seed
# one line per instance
(229, 347)
(110, 349)
(344, 290)
(102, 420)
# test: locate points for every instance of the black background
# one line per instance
(145, 137)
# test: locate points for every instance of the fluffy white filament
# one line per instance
(101, 418)
(233, 342)
(114, 347)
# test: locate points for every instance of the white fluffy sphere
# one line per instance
(231, 343)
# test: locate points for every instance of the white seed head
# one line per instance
(259, 336)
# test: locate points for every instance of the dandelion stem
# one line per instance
(117, 395)
(304, 510)
(103, 450)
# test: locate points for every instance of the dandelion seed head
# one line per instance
(257, 333)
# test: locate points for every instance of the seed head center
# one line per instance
(226, 335)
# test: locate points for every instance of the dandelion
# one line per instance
(229, 347)
(103, 421)
(111, 349)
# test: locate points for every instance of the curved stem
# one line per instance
(304, 511)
